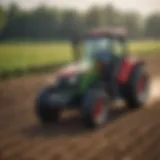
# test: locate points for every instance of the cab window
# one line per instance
(118, 48)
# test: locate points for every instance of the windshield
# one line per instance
(94, 45)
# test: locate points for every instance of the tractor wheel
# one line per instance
(45, 112)
(137, 88)
(95, 109)
(46, 115)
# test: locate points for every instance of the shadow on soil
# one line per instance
(71, 126)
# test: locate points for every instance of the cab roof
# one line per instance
(112, 32)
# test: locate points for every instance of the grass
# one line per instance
(144, 47)
(15, 56)
(24, 55)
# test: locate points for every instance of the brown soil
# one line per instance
(129, 135)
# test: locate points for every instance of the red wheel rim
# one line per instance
(140, 85)
(98, 106)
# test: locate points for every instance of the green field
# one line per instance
(13, 56)
(144, 47)
(24, 55)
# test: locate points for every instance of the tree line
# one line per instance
(51, 23)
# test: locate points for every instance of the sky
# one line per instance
(144, 6)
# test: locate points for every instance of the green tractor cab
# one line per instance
(79, 84)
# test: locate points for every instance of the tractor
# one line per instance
(77, 87)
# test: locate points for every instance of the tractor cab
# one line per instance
(100, 41)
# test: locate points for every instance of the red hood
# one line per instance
(73, 69)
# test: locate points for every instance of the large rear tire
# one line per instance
(137, 88)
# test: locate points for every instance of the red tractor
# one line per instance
(81, 84)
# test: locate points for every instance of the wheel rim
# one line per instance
(142, 89)
(98, 108)
(141, 85)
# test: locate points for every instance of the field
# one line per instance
(13, 56)
(129, 135)
(25, 55)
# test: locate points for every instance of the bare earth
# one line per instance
(129, 135)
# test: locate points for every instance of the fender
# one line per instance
(126, 68)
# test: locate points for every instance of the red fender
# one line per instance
(126, 68)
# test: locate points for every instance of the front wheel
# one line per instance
(47, 115)
(43, 110)
(95, 109)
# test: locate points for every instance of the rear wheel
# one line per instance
(95, 109)
(137, 88)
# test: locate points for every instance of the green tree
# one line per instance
(71, 24)
(3, 18)
(50, 23)
(11, 28)
(110, 15)
(43, 23)
(132, 22)
(153, 26)
(13, 12)
(94, 18)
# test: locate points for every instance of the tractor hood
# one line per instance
(73, 69)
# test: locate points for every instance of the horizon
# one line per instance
(143, 6)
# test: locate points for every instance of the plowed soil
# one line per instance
(129, 135)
